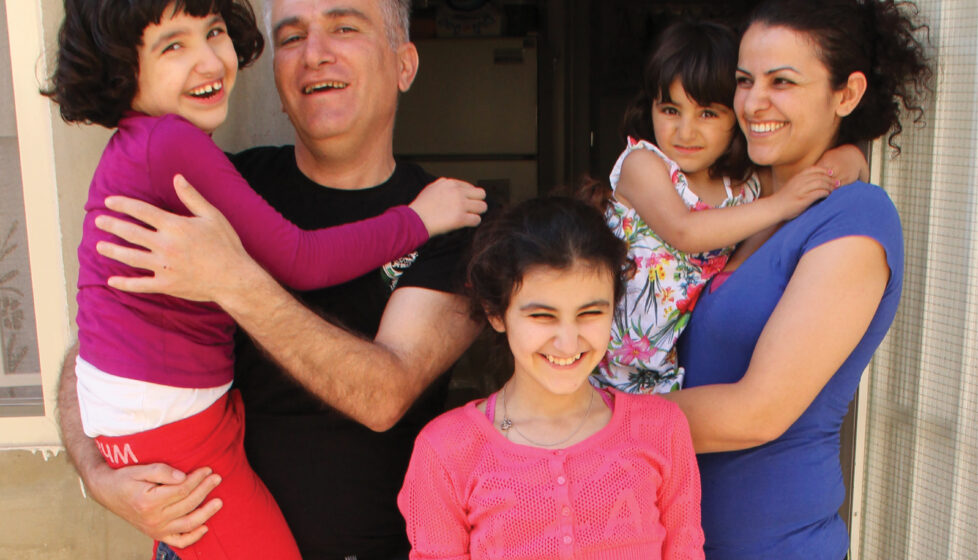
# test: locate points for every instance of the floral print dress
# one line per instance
(659, 298)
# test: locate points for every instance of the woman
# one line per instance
(813, 298)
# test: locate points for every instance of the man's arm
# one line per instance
(157, 499)
(200, 258)
(375, 381)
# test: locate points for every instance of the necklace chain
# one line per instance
(508, 424)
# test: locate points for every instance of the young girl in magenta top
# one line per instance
(684, 154)
(153, 371)
(550, 466)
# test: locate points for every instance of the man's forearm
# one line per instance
(372, 381)
(82, 451)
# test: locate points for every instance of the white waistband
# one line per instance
(117, 406)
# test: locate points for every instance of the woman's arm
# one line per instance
(645, 185)
(303, 260)
(824, 312)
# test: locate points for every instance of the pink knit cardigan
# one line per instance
(632, 490)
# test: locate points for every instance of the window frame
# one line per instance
(35, 139)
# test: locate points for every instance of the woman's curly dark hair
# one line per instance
(97, 68)
(703, 57)
(876, 37)
(552, 231)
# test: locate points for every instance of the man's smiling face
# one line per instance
(335, 69)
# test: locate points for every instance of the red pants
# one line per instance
(249, 525)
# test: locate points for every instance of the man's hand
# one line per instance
(159, 500)
(191, 257)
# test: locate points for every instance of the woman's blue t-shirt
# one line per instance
(780, 500)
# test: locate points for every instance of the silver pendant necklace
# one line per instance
(508, 424)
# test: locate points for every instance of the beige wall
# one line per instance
(43, 515)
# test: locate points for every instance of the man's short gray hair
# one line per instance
(397, 20)
(397, 16)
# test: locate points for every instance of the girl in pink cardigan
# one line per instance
(549, 466)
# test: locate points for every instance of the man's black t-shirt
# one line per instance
(335, 480)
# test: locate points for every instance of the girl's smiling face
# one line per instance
(187, 67)
(558, 325)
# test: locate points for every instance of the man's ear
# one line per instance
(852, 94)
(496, 323)
(407, 58)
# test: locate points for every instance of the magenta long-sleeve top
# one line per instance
(180, 343)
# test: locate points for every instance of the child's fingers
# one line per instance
(476, 206)
(471, 220)
(473, 192)
(817, 170)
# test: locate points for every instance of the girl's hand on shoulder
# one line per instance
(846, 163)
(449, 204)
(803, 189)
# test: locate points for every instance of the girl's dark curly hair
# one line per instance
(875, 37)
(703, 57)
(97, 68)
(553, 231)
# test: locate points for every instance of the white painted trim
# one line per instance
(862, 406)
(37, 164)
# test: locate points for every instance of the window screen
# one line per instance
(921, 468)
(20, 380)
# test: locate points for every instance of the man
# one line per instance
(334, 468)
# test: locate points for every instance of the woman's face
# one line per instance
(558, 325)
(784, 101)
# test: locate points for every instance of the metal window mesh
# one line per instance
(921, 470)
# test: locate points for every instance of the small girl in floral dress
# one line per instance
(685, 154)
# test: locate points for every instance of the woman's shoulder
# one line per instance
(862, 191)
(859, 203)
(857, 209)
